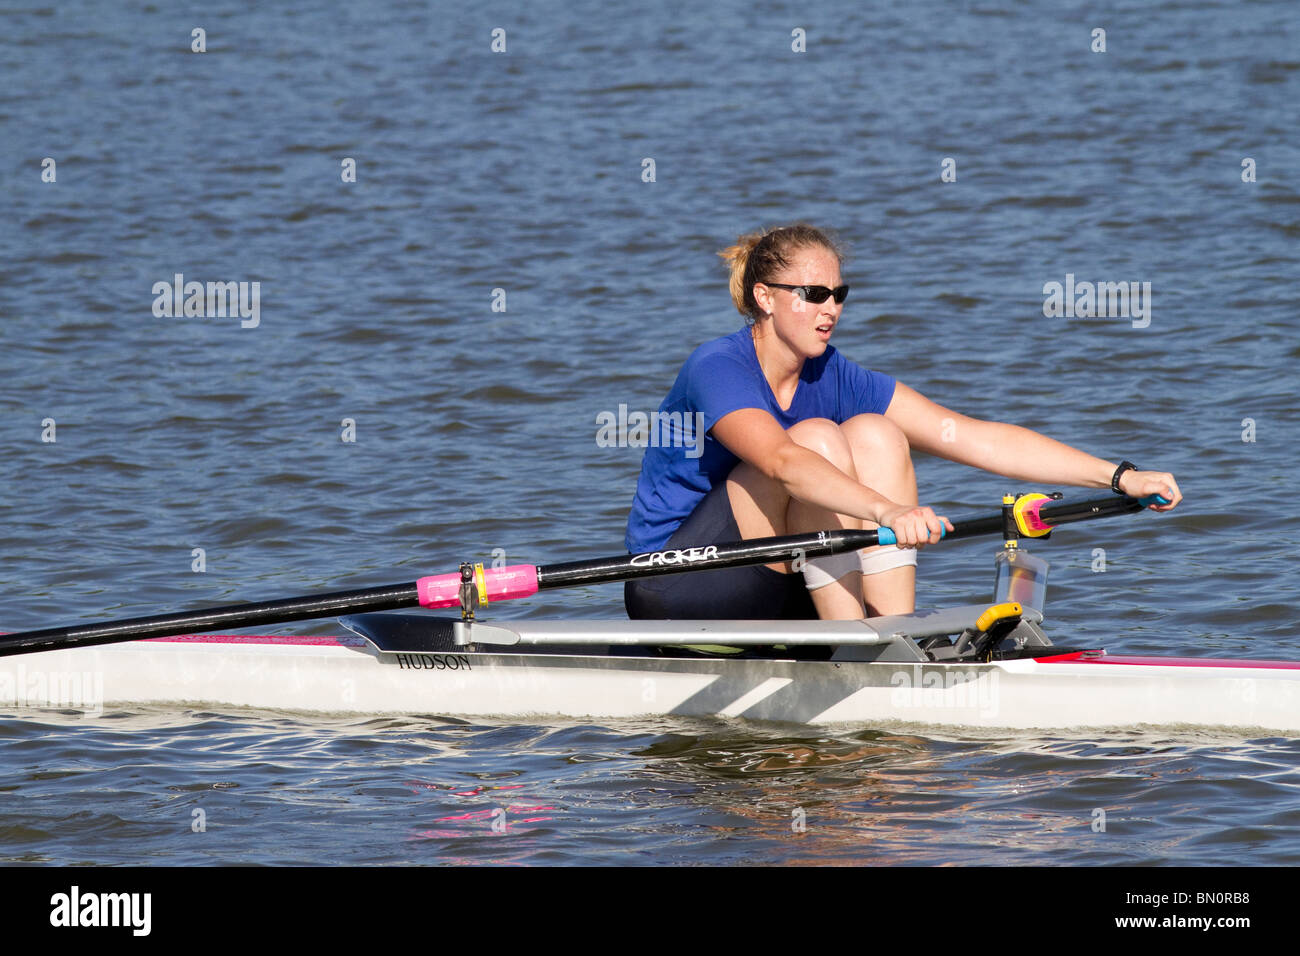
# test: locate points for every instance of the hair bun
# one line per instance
(737, 258)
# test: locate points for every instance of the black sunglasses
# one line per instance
(814, 293)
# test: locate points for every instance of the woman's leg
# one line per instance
(744, 593)
(883, 460)
(869, 449)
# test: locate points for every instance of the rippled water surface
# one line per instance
(632, 792)
(475, 429)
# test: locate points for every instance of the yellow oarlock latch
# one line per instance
(997, 612)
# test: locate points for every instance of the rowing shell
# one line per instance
(400, 663)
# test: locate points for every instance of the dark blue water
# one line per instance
(475, 429)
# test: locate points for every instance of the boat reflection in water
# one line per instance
(879, 797)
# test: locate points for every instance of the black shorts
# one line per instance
(754, 593)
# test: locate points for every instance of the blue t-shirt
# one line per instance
(720, 377)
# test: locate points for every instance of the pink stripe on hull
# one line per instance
(303, 640)
(1096, 657)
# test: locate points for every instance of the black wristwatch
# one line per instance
(1114, 479)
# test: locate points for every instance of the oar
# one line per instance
(482, 585)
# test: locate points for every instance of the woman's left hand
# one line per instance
(1141, 484)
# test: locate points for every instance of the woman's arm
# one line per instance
(754, 436)
(1014, 452)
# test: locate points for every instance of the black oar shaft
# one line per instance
(620, 568)
(732, 554)
(213, 619)
(1067, 512)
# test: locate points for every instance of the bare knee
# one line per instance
(876, 436)
(825, 438)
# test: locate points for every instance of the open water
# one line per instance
(589, 172)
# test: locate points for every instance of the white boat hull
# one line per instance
(349, 675)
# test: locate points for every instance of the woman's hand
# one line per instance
(1141, 484)
(914, 526)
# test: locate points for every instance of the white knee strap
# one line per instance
(819, 572)
(886, 558)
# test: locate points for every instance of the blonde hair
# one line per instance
(759, 256)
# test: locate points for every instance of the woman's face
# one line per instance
(805, 327)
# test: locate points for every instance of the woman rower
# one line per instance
(799, 439)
